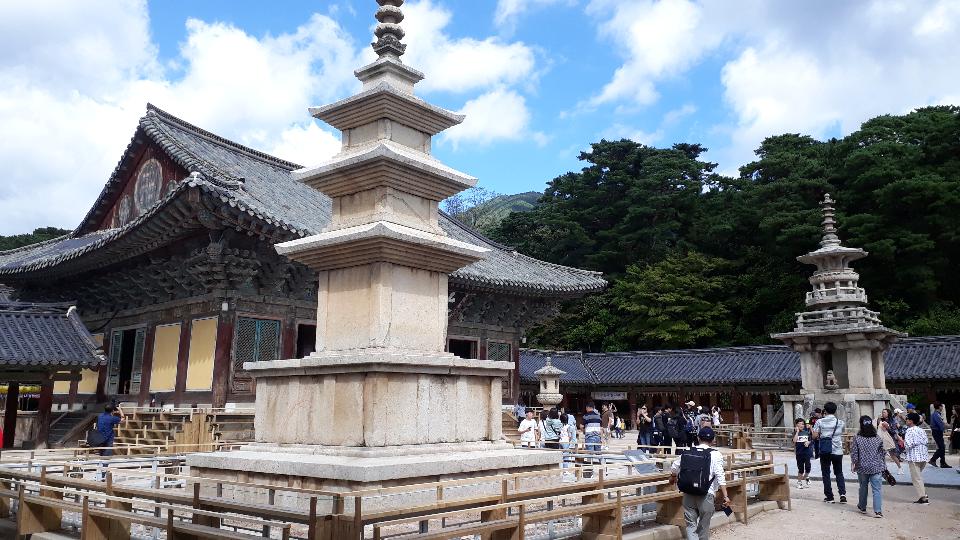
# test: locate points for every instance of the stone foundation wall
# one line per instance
(378, 409)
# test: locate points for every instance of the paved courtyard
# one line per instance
(812, 518)
(932, 476)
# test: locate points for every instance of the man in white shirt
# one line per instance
(528, 430)
(698, 509)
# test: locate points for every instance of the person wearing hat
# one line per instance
(698, 509)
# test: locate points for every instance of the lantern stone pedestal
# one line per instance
(380, 403)
(549, 377)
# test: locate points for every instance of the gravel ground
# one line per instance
(812, 518)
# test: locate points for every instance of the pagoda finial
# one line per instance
(388, 30)
(830, 237)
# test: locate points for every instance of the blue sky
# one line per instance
(539, 80)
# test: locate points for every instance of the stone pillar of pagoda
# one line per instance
(841, 342)
(380, 385)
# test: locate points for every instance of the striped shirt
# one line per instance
(916, 445)
(591, 422)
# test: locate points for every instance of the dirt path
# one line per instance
(812, 518)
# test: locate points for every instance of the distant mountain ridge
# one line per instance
(487, 216)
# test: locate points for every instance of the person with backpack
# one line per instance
(676, 428)
(551, 430)
(661, 437)
(698, 474)
(828, 432)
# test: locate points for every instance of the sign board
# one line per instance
(609, 396)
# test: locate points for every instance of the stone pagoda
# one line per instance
(841, 342)
(379, 402)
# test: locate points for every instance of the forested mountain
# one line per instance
(39, 235)
(698, 259)
(488, 215)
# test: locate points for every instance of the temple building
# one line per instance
(174, 272)
(925, 369)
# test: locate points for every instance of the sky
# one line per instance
(539, 80)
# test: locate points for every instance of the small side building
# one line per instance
(45, 345)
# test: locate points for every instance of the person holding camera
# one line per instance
(107, 421)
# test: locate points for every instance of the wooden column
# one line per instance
(43, 412)
(72, 395)
(736, 400)
(632, 400)
(102, 372)
(222, 356)
(10, 415)
(515, 375)
(288, 342)
(146, 366)
(764, 401)
(182, 353)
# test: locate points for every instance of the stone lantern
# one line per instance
(549, 377)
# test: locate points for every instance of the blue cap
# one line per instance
(706, 434)
(911, 406)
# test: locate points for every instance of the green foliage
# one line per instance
(698, 259)
(39, 235)
(677, 302)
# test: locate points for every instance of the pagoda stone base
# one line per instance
(850, 405)
(345, 469)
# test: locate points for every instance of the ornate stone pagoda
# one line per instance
(379, 402)
(841, 342)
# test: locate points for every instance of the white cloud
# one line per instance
(79, 75)
(500, 114)
(303, 143)
(680, 113)
(861, 63)
(658, 40)
(623, 131)
(76, 76)
(461, 64)
(508, 11)
(792, 67)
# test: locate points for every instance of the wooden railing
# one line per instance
(141, 489)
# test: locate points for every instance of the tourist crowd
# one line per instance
(895, 435)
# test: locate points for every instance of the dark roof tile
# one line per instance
(909, 359)
(45, 335)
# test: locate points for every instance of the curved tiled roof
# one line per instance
(569, 361)
(262, 186)
(45, 335)
(909, 359)
(743, 365)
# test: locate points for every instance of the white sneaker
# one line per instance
(808, 484)
(799, 484)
